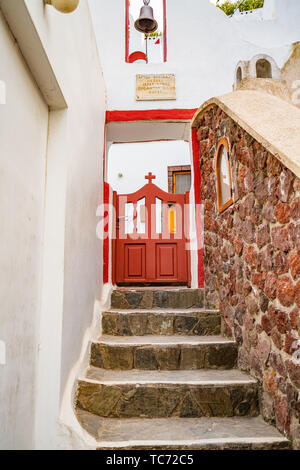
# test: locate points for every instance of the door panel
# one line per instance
(135, 261)
(166, 260)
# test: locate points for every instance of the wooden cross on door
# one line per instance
(150, 177)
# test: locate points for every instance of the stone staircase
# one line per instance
(162, 377)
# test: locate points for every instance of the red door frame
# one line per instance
(164, 115)
(197, 188)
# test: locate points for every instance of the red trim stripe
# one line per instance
(165, 30)
(106, 235)
(151, 115)
(104, 154)
(197, 187)
(126, 30)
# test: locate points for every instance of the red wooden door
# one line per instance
(151, 244)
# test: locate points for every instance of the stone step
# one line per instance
(183, 394)
(157, 298)
(238, 433)
(167, 322)
(163, 353)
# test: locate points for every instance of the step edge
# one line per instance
(196, 442)
(110, 340)
(204, 383)
(156, 289)
(162, 311)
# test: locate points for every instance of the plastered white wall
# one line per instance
(71, 47)
(23, 142)
(52, 293)
(278, 30)
(204, 46)
(134, 161)
(50, 190)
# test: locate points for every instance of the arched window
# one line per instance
(239, 76)
(139, 47)
(263, 69)
(223, 171)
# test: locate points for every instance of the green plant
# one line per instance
(242, 5)
(228, 7)
(155, 34)
(251, 5)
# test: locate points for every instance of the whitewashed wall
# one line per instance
(277, 31)
(134, 161)
(50, 295)
(23, 145)
(204, 46)
(51, 170)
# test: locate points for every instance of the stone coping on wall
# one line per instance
(274, 123)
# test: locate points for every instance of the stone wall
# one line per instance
(252, 264)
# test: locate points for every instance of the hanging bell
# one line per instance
(146, 22)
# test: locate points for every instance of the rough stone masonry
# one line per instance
(252, 264)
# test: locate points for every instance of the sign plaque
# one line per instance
(155, 87)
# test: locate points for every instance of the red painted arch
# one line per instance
(165, 31)
(137, 55)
